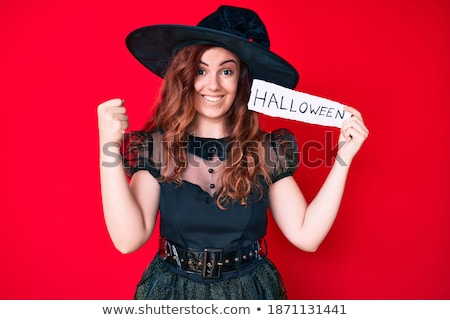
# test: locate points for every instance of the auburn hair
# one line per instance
(175, 112)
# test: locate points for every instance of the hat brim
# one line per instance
(154, 47)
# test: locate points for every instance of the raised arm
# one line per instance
(130, 210)
(307, 225)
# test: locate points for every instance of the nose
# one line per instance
(214, 82)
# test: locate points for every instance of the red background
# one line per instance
(389, 59)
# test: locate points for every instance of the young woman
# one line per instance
(206, 166)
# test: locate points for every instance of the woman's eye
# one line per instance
(227, 72)
(200, 72)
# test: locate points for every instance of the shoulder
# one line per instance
(280, 137)
(141, 136)
(141, 150)
(281, 141)
(282, 157)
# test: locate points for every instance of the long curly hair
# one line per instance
(175, 113)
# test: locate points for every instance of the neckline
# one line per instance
(208, 148)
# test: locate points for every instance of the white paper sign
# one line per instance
(277, 101)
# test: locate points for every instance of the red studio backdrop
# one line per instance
(389, 59)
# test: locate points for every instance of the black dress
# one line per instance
(190, 217)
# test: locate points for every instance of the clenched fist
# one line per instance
(112, 121)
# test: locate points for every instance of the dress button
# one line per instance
(213, 150)
(212, 185)
(210, 170)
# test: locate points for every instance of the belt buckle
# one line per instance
(212, 263)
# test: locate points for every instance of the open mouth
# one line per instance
(212, 99)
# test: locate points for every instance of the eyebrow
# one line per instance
(222, 63)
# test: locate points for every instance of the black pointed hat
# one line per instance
(236, 29)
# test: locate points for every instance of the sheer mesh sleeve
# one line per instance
(141, 151)
(282, 158)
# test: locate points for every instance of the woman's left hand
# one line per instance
(353, 134)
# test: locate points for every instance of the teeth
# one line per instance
(212, 99)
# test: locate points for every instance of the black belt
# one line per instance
(209, 262)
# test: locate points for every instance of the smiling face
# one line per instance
(216, 83)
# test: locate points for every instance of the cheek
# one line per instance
(235, 92)
(197, 85)
(232, 87)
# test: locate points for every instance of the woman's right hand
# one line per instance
(112, 120)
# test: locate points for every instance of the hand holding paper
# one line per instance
(353, 134)
(278, 101)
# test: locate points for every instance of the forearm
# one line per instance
(307, 225)
(123, 216)
(322, 211)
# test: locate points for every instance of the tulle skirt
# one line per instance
(161, 281)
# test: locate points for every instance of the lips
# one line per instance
(212, 98)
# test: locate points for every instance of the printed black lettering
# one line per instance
(273, 99)
(339, 114)
(260, 98)
(281, 104)
(312, 110)
(329, 113)
(305, 106)
(322, 110)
